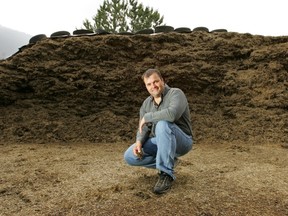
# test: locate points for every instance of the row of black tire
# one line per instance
(158, 29)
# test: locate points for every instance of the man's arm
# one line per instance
(143, 132)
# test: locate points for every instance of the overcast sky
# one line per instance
(262, 17)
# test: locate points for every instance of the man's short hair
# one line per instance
(151, 71)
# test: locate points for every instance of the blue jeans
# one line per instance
(160, 151)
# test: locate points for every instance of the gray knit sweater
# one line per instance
(172, 108)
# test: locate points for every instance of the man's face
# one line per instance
(154, 85)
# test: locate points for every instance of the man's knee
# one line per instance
(129, 156)
(162, 126)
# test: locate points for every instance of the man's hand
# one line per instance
(141, 124)
(137, 150)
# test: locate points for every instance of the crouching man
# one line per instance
(164, 132)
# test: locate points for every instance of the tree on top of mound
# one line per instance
(124, 16)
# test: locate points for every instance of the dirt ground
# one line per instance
(93, 179)
(69, 109)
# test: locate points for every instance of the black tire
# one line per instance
(204, 29)
(82, 32)
(101, 32)
(125, 33)
(219, 30)
(36, 38)
(164, 29)
(60, 34)
(183, 30)
(24, 47)
(145, 31)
